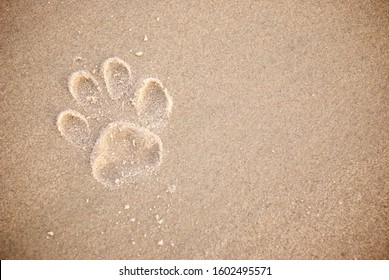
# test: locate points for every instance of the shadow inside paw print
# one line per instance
(125, 147)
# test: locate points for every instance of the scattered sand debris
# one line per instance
(159, 221)
(171, 189)
(139, 53)
(91, 99)
(127, 206)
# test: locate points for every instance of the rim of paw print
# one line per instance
(125, 145)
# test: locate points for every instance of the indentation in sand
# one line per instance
(74, 127)
(153, 103)
(124, 150)
(125, 147)
(84, 88)
(117, 77)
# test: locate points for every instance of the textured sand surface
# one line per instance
(276, 147)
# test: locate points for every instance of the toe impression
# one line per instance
(117, 77)
(153, 103)
(74, 127)
(84, 88)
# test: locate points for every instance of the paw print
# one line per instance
(116, 127)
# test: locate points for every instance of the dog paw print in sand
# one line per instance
(117, 123)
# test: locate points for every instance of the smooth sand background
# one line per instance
(277, 145)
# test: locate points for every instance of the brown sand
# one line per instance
(276, 148)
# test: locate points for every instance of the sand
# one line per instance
(224, 130)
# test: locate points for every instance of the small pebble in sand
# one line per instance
(145, 38)
(50, 233)
(160, 243)
(132, 219)
(127, 207)
(158, 18)
(139, 53)
(78, 59)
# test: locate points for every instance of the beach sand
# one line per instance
(275, 144)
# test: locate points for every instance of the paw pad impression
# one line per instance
(125, 147)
